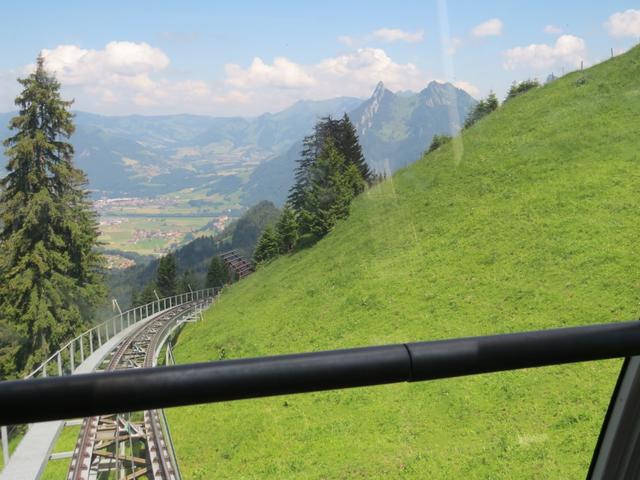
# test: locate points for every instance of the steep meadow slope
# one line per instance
(530, 221)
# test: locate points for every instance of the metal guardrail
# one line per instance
(65, 360)
(140, 389)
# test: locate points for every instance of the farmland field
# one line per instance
(153, 226)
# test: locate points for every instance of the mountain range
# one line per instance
(393, 128)
(145, 156)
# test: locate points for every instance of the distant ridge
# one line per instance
(394, 130)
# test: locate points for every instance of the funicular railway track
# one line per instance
(132, 448)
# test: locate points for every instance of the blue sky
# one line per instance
(245, 58)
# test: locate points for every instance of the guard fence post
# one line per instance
(5, 444)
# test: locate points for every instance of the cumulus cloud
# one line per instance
(468, 87)
(390, 35)
(624, 24)
(75, 66)
(126, 77)
(281, 74)
(356, 73)
(552, 29)
(353, 73)
(490, 28)
(568, 50)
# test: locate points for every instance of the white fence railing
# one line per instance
(72, 354)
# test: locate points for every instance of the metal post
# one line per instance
(71, 356)
(128, 318)
(81, 348)
(44, 370)
(59, 364)
(91, 341)
(5, 444)
(99, 336)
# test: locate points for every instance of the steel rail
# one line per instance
(148, 388)
(79, 469)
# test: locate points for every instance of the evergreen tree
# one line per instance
(437, 141)
(166, 277)
(521, 87)
(334, 183)
(287, 229)
(148, 294)
(343, 135)
(311, 147)
(348, 145)
(268, 246)
(188, 282)
(50, 271)
(217, 275)
(483, 108)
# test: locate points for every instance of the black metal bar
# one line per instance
(24, 401)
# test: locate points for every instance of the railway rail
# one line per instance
(132, 446)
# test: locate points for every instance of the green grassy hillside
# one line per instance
(535, 225)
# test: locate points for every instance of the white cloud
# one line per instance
(390, 35)
(346, 40)
(124, 77)
(624, 24)
(356, 73)
(490, 28)
(281, 74)
(568, 50)
(552, 29)
(75, 66)
(468, 87)
(127, 77)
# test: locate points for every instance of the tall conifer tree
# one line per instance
(50, 271)
(217, 274)
(166, 279)
(348, 145)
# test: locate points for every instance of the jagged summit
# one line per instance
(380, 91)
(396, 128)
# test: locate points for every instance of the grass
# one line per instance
(534, 225)
(66, 442)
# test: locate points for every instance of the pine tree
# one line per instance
(347, 143)
(268, 246)
(345, 139)
(166, 277)
(50, 271)
(334, 183)
(521, 87)
(437, 141)
(311, 148)
(287, 229)
(483, 108)
(217, 275)
(188, 282)
(147, 295)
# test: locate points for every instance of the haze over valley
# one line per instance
(159, 181)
